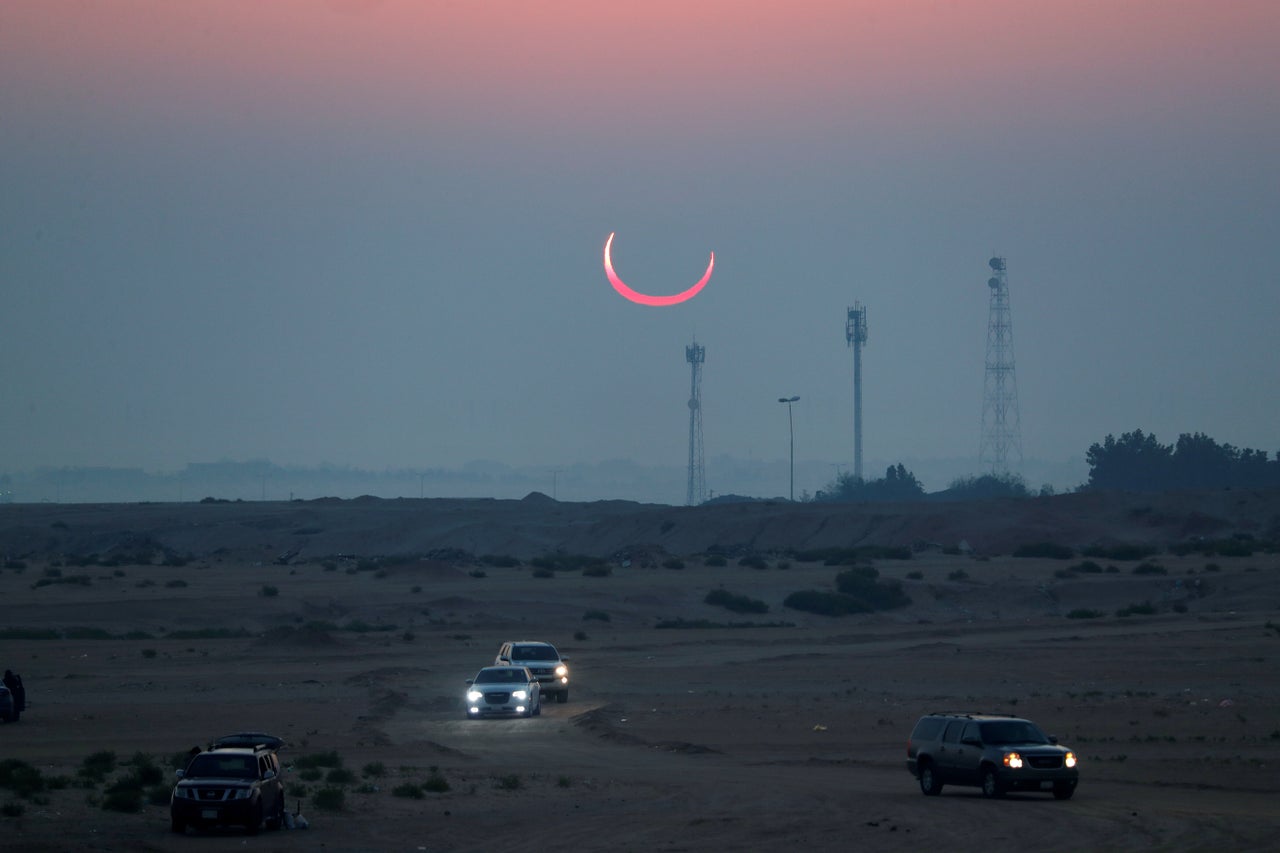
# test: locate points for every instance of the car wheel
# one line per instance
(929, 784)
(177, 825)
(562, 696)
(537, 709)
(1063, 791)
(991, 787)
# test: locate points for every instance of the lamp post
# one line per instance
(791, 423)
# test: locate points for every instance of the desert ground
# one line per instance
(350, 627)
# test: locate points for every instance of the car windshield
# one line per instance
(223, 766)
(500, 675)
(534, 653)
(1012, 731)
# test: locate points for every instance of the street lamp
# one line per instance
(792, 424)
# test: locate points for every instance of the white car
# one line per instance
(543, 660)
(506, 691)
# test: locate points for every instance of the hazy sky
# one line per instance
(370, 233)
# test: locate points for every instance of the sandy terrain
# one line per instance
(771, 737)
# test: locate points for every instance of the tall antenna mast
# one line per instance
(855, 333)
(696, 354)
(1001, 430)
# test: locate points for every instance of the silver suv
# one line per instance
(542, 659)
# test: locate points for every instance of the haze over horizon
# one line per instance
(368, 233)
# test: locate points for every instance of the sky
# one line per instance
(370, 232)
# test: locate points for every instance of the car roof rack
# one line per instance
(248, 740)
(969, 715)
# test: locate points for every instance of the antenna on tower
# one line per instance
(1001, 430)
(855, 333)
(696, 354)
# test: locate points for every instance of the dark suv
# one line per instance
(994, 752)
(235, 782)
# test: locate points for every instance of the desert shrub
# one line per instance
(1119, 552)
(580, 636)
(319, 759)
(824, 603)
(544, 573)
(510, 782)
(735, 603)
(1149, 569)
(310, 774)
(1084, 613)
(436, 784)
(753, 561)
(597, 615)
(715, 561)
(340, 776)
(958, 575)
(97, 765)
(84, 633)
(1051, 550)
(359, 626)
(409, 790)
(12, 809)
(915, 576)
(1179, 608)
(20, 777)
(209, 634)
(862, 583)
(176, 583)
(1212, 567)
(477, 573)
(174, 560)
(329, 799)
(673, 563)
(500, 561)
(1146, 608)
(597, 571)
(125, 799)
(1087, 567)
(268, 591)
(15, 564)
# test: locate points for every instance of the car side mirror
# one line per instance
(181, 774)
(270, 774)
(469, 680)
(1052, 739)
(564, 658)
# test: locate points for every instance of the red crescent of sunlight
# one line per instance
(644, 298)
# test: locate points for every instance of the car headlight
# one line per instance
(474, 695)
(183, 794)
(1070, 759)
(242, 793)
(520, 694)
(1013, 760)
(562, 670)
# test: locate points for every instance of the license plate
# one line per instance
(209, 814)
(1046, 786)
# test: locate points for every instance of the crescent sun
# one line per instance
(644, 298)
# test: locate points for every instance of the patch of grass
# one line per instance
(863, 585)
(958, 575)
(753, 561)
(97, 765)
(1049, 550)
(735, 603)
(477, 573)
(340, 776)
(436, 784)
(74, 580)
(510, 782)
(824, 603)
(319, 759)
(580, 636)
(268, 591)
(21, 778)
(564, 781)
(1146, 608)
(409, 791)
(673, 563)
(329, 799)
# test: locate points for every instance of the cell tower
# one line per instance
(855, 333)
(1001, 431)
(696, 354)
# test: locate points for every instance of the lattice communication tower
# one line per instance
(696, 354)
(855, 333)
(1001, 430)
